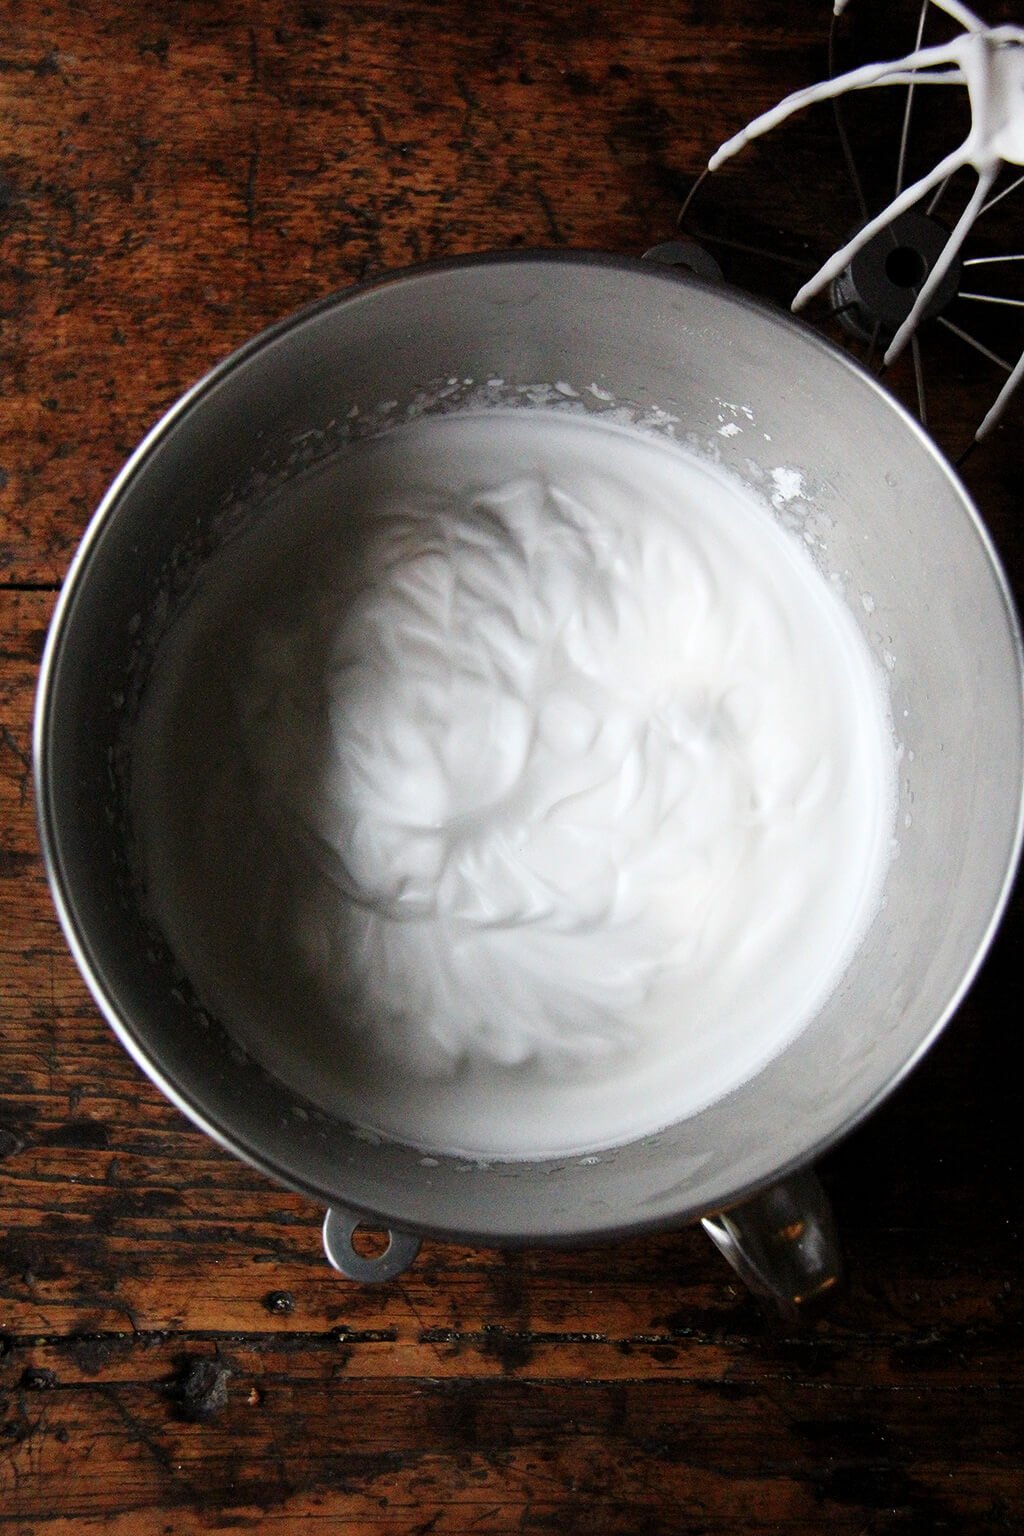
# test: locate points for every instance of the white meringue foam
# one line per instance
(514, 786)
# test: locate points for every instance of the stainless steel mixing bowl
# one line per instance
(886, 516)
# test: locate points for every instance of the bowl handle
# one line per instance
(339, 1226)
(783, 1243)
(688, 255)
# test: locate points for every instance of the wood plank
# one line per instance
(246, 166)
(391, 1453)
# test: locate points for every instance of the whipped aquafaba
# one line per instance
(514, 785)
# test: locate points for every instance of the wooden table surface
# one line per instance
(175, 1354)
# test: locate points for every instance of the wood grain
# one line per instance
(175, 1355)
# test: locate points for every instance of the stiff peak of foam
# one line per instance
(537, 786)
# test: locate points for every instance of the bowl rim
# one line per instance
(76, 937)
